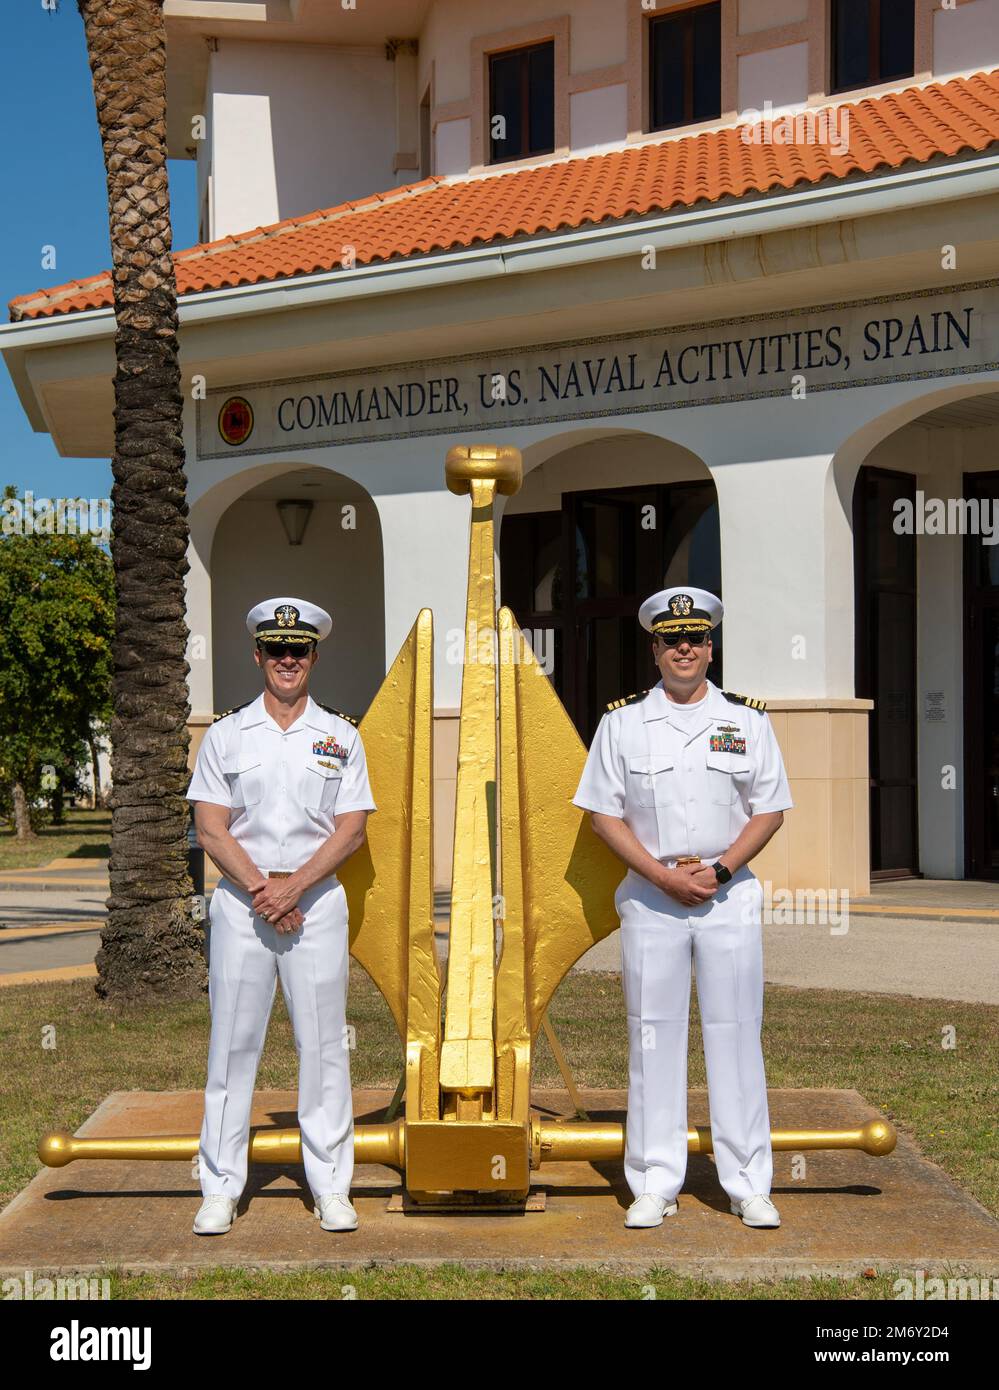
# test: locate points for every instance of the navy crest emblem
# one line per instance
(286, 615)
(681, 606)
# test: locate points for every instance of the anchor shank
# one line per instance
(468, 1050)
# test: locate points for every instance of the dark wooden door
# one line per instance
(885, 628)
(981, 691)
(581, 573)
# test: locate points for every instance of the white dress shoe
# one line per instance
(757, 1211)
(649, 1210)
(215, 1216)
(335, 1212)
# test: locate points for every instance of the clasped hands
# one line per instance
(276, 901)
(690, 884)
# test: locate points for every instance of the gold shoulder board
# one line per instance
(627, 700)
(745, 700)
(226, 712)
(330, 710)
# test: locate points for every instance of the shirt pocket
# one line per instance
(321, 787)
(245, 776)
(651, 779)
(728, 777)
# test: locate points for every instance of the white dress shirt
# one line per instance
(678, 793)
(285, 787)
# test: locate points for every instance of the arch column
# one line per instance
(787, 580)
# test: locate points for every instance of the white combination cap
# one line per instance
(670, 609)
(288, 620)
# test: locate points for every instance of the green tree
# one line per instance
(56, 629)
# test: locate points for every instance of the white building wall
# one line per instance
(966, 38)
(939, 656)
(776, 75)
(453, 147)
(757, 15)
(296, 128)
(598, 117)
(203, 179)
(198, 583)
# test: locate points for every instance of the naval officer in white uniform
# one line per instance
(281, 797)
(686, 784)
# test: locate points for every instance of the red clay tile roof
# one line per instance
(885, 132)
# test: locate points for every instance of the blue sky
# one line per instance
(55, 194)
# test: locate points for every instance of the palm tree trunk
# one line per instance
(151, 944)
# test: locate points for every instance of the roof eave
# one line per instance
(914, 185)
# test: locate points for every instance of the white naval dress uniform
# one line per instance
(681, 797)
(285, 788)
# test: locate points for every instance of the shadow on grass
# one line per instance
(90, 852)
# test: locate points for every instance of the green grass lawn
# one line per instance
(85, 836)
(413, 1281)
(887, 1048)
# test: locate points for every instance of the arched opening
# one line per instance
(597, 527)
(337, 564)
(926, 605)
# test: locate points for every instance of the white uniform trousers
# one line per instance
(246, 959)
(659, 939)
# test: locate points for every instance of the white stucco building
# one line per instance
(725, 273)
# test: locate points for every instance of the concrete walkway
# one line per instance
(929, 938)
(878, 955)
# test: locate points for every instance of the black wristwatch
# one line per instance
(721, 873)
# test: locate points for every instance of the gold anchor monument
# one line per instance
(526, 864)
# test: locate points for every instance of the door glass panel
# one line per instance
(707, 63)
(897, 28)
(886, 664)
(506, 102)
(603, 564)
(546, 562)
(990, 744)
(893, 711)
(541, 82)
(889, 550)
(667, 39)
(851, 43)
(610, 649)
(984, 558)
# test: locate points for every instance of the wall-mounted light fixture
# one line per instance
(294, 516)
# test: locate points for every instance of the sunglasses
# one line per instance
(673, 639)
(277, 650)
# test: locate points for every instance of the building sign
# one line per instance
(863, 343)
